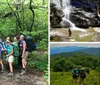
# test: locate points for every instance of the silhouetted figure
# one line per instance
(70, 32)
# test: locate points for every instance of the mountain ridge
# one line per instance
(95, 51)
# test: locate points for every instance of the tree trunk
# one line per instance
(30, 7)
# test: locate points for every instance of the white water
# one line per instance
(67, 10)
(72, 25)
(57, 2)
(66, 7)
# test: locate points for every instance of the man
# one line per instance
(82, 74)
(75, 75)
(5, 44)
(70, 32)
(10, 57)
(1, 57)
(23, 54)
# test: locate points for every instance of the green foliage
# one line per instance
(98, 68)
(62, 65)
(46, 75)
(67, 63)
(9, 26)
(38, 60)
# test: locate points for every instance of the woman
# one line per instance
(23, 54)
(10, 57)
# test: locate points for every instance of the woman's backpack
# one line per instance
(16, 50)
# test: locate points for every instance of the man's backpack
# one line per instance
(75, 71)
(82, 72)
(5, 45)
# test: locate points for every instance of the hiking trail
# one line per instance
(32, 77)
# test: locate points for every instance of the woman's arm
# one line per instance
(24, 48)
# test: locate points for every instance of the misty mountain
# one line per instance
(73, 50)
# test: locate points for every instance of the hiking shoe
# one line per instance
(2, 71)
(23, 72)
(10, 74)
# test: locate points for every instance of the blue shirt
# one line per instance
(9, 49)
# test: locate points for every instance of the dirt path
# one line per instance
(32, 77)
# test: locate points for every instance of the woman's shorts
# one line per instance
(25, 55)
(10, 58)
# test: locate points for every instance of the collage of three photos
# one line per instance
(75, 42)
(49, 42)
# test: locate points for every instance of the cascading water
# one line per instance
(66, 7)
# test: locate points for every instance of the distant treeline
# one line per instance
(61, 63)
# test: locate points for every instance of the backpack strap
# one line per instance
(4, 45)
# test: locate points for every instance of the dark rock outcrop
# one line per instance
(85, 13)
(84, 19)
(56, 15)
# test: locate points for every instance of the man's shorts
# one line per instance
(75, 76)
(10, 58)
(1, 57)
(83, 76)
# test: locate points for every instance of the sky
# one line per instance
(55, 45)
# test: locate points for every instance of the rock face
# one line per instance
(85, 13)
(84, 19)
(56, 15)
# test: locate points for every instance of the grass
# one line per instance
(93, 78)
(65, 78)
(87, 38)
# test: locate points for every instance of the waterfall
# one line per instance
(66, 7)
(57, 2)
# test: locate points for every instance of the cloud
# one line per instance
(90, 44)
